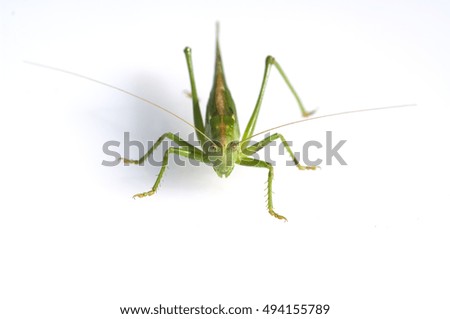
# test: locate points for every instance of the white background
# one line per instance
(370, 238)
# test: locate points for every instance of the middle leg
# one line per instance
(257, 163)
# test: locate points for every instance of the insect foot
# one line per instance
(128, 161)
(310, 168)
(307, 114)
(271, 212)
(149, 193)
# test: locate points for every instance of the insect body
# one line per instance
(222, 145)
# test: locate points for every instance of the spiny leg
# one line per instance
(257, 163)
(252, 122)
(182, 151)
(250, 150)
(291, 88)
(198, 119)
(170, 136)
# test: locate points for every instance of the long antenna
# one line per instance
(120, 90)
(330, 115)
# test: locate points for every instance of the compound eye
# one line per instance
(233, 146)
(213, 148)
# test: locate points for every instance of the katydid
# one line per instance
(219, 134)
(222, 145)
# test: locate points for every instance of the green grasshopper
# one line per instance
(222, 144)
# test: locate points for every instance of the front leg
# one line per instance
(182, 151)
(170, 136)
(257, 146)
